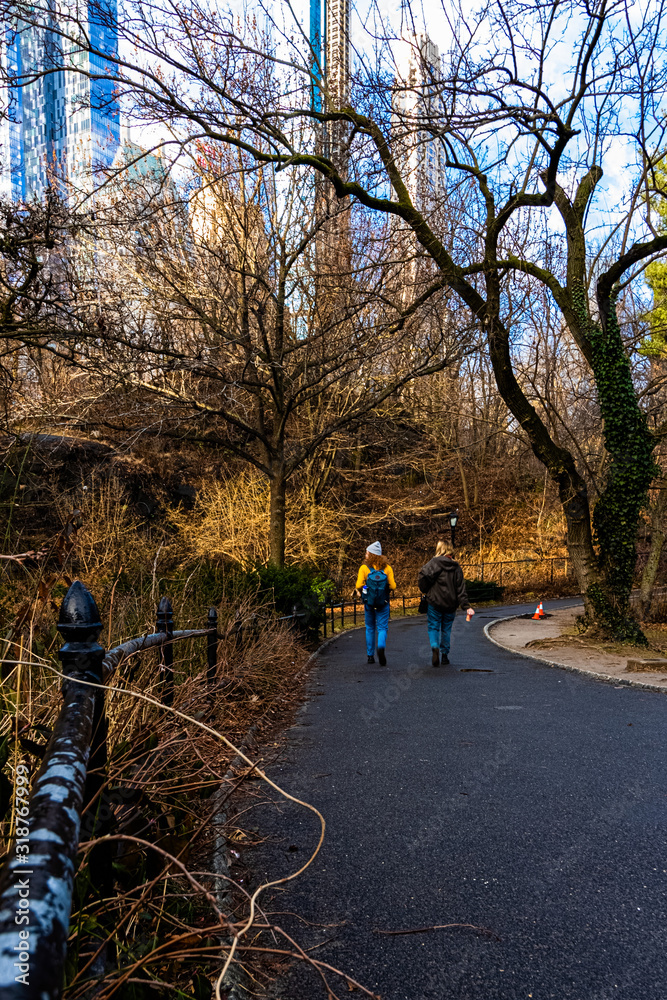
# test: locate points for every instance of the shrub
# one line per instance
(292, 588)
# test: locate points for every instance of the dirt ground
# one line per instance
(555, 641)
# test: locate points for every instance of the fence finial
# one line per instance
(165, 623)
(79, 616)
(79, 624)
(165, 616)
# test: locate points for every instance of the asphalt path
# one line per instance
(497, 792)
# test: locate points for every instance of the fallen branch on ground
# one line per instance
(441, 927)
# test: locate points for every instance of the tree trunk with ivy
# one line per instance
(605, 576)
(629, 445)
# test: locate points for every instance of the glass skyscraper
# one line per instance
(62, 125)
(11, 146)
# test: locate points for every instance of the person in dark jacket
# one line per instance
(441, 581)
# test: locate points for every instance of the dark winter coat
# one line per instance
(441, 580)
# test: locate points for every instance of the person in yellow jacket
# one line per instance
(375, 594)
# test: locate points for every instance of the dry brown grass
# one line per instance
(159, 925)
(161, 773)
(111, 535)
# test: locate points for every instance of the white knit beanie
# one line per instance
(375, 549)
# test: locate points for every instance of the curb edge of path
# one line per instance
(604, 678)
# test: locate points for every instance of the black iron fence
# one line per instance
(37, 882)
(350, 613)
(506, 573)
(518, 571)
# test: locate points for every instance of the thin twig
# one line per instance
(441, 927)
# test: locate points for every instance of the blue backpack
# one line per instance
(377, 589)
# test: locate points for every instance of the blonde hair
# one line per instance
(442, 550)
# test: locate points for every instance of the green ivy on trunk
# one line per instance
(629, 444)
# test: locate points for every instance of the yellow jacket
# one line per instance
(364, 570)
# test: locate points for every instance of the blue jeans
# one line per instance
(439, 627)
(376, 620)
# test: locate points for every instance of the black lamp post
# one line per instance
(453, 518)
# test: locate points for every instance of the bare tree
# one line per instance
(524, 136)
(32, 292)
(217, 320)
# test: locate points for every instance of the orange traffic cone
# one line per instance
(537, 614)
(541, 611)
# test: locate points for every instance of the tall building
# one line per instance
(337, 47)
(316, 54)
(331, 54)
(337, 63)
(416, 105)
(12, 180)
(65, 124)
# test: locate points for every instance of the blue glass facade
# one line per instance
(66, 122)
(12, 146)
(316, 54)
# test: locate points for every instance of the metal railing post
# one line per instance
(39, 876)
(211, 645)
(165, 623)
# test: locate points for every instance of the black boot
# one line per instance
(371, 659)
(444, 659)
(435, 658)
(381, 657)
